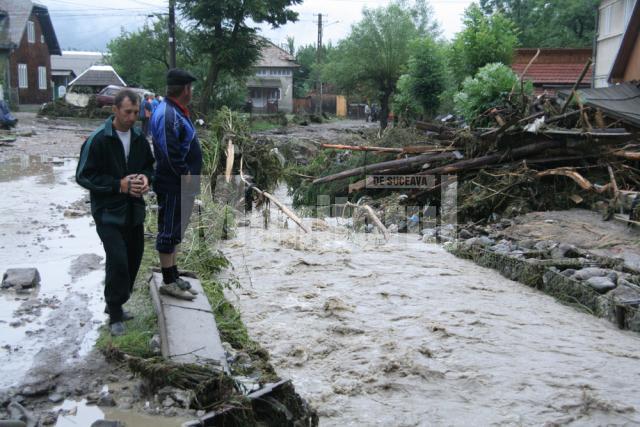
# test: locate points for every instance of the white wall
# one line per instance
(613, 16)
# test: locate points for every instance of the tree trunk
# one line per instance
(384, 109)
(208, 85)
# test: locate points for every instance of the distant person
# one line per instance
(7, 120)
(367, 113)
(115, 165)
(145, 113)
(154, 103)
(176, 178)
(375, 112)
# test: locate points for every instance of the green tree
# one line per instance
(374, 55)
(549, 23)
(491, 87)
(427, 73)
(226, 36)
(141, 57)
(484, 39)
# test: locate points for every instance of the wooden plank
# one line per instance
(188, 330)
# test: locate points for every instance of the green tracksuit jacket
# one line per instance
(101, 167)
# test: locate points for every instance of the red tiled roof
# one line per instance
(553, 73)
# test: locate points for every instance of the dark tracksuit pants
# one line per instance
(124, 247)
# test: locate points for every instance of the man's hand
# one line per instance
(145, 184)
(139, 185)
(135, 185)
(124, 185)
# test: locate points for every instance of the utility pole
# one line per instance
(172, 33)
(318, 60)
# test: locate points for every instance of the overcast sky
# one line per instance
(90, 24)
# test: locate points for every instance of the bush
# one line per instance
(490, 88)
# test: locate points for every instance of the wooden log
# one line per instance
(492, 159)
(230, 159)
(373, 217)
(432, 127)
(520, 81)
(629, 155)
(584, 183)
(361, 148)
(392, 165)
(571, 173)
(417, 149)
(562, 116)
(576, 85)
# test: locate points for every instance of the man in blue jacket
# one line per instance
(176, 179)
(115, 165)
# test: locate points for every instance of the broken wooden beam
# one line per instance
(392, 165)
(492, 159)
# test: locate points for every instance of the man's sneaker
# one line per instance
(126, 315)
(172, 289)
(185, 286)
(117, 329)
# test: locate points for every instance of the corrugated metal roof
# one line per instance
(98, 75)
(620, 101)
(75, 61)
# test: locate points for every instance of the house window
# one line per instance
(628, 9)
(42, 78)
(605, 21)
(31, 32)
(42, 38)
(274, 94)
(261, 72)
(23, 81)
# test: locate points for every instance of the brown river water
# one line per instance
(402, 333)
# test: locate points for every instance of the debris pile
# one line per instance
(539, 157)
(61, 108)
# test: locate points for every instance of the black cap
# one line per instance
(178, 77)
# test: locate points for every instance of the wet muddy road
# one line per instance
(405, 334)
(43, 330)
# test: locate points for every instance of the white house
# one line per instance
(271, 86)
(613, 17)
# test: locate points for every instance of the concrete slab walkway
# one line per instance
(188, 329)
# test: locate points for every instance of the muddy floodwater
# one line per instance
(405, 334)
(45, 329)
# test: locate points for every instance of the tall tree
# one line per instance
(226, 35)
(141, 57)
(484, 40)
(374, 55)
(548, 23)
(426, 69)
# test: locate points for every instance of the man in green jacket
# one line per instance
(115, 165)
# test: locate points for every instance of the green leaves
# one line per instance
(548, 23)
(490, 88)
(226, 35)
(484, 40)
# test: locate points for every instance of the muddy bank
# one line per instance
(403, 333)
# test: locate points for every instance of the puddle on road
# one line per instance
(81, 414)
(35, 233)
(403, 333)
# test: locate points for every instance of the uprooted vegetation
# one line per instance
(61, 108)
(538, 157)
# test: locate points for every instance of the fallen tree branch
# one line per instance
(288, 212)
(576, 85)
(373, 217)
(392, 165)
(492, 159)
